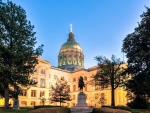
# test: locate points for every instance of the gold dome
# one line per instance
(71, 55)
(71, 44)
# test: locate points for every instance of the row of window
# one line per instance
(42, 82)
(74, 88)
(97, 96)
(84, 78)
(33, 93)
(33, 103)
(42, 71)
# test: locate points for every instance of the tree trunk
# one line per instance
(112, 89)
(6, 97)
(60, 100)
(113, 97)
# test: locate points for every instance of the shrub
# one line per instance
(139, 103)
(27, 108)
(109, 110)
(45, 106)
(51, 110)
(97, 110)
(121, 107)
(105, 106)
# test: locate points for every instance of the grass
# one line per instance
(140, 110)
(51, 110)
(13, 111)
(26, 109)
(21, 110)
(40, 110)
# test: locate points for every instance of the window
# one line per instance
(74, 97)
(42, 71)
(41, 93)
(74, 87)
(68, 104)
(85, 78)
(119, 96)
(33, 103)
(85, 87)
(55, 77)
(102, 95)
(24, 103)
(34, 81)
(68, 88)
(42, 82)
(33, 93)
(74, 79)
(49, 76)
(96, 96)
(73, 104)
(97, 87)
(50, 85)
(35, 70)
(24, 93)
(62, 78)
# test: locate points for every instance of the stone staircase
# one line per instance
(73, 110)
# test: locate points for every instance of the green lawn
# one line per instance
(13, 111)
(25, 111)
(140, 110)
(22, 110)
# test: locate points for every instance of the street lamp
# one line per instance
(42, 99)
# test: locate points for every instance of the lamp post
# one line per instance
(42, 99)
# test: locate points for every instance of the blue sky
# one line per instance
(99, 25)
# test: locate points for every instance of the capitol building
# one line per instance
(71, 67)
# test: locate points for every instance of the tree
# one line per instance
(137, 48)
(60, 91)
(18, 55)
(110, 74)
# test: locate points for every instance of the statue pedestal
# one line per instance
(16, 104)
(81, 105)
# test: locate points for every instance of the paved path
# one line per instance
(81, 110)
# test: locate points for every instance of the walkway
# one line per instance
(81, 110)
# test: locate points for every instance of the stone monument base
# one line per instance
(16, 104)
(81, 104)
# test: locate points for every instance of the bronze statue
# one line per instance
(81, 83)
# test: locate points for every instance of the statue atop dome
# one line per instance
(70, 27)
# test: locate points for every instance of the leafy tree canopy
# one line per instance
(18, 55)
(137, 48)
(110, 74)
(60, 92)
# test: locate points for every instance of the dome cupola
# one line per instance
(70, 55)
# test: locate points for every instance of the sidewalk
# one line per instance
(81, 110)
